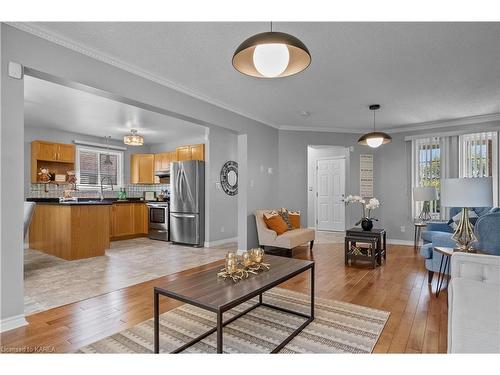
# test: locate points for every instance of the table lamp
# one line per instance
(466, 193)
(424, 194)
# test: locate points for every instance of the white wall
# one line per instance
(313, 155)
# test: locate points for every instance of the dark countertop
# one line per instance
(85, 201)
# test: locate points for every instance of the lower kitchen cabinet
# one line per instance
(128, 220)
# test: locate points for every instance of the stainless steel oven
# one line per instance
(158, 217)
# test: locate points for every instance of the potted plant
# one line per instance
(366, 220)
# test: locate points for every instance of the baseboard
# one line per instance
(220, 242)
(12, 322)
(399, 242)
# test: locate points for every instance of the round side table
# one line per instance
(417, 230)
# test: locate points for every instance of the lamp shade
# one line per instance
(424, 193)
(467, 192)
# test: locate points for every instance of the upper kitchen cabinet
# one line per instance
(49, 151)
(142, 167)
(58, 158)
(163, 160)
(191, 152)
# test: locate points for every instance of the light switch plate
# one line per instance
(218, 186)
(15, 70)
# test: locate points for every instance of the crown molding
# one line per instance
(30, 28)
(322, 129)
(462, 121)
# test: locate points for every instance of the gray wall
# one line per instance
(222, 209)
(59, 136)
(313, 155)
(11, 188)
(171, 144)
(293, 168)
(50, 58)
(392, 164)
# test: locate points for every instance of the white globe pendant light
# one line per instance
(271, 60)
(271, 55)
(374, 139)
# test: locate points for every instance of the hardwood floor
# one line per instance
(418, 321)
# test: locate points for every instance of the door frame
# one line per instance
(315, 192)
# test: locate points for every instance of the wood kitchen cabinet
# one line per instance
(50, 151)
(142, 168)
(128, 220)
(190, 152)
(58, 158)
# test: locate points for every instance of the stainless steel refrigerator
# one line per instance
(187, 202)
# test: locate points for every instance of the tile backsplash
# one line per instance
(56, 191)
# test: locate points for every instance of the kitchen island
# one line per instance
(84, 229)
(71, 231)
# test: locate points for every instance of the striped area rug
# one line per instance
(338, 327)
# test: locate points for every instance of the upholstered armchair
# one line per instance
(486, 229)
(474, 303)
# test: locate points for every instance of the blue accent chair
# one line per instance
(486, 228)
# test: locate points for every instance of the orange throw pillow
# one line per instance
(276, 223)
(294, 219)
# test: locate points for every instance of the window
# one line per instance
(477, 154)
(426, 170)
(91, 167)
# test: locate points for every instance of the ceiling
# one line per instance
(53, 106)
(418, 72)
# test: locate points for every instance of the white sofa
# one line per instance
(287, 240)
(474, 304)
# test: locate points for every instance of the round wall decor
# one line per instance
(229, 177)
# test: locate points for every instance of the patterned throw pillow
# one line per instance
(455, 220)
(285, 215)
(275, 222)
(294, 219)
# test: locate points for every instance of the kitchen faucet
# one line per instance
(110, 184)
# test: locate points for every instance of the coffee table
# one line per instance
(206, 291)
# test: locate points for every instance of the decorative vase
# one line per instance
(366, 224)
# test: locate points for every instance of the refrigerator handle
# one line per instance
(183, 215)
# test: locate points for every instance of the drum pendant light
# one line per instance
(271, 55)
(374, 139)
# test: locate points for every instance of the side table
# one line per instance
(377, 239)
(446, 253)
(417, 231)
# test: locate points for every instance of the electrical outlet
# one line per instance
(403, 228)
(222, 229)
(269, 170)
(262, 168)
(252, 183)
(218, 186)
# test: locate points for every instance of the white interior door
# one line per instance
(330, 213)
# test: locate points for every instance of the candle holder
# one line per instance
(250, 262)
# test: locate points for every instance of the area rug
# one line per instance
(338, 327)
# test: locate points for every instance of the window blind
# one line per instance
(427, 169)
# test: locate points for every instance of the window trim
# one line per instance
(495, 173)
(415, 158)
(99, 150)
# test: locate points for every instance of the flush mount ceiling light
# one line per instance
(133, 139)
(375, 138)
(271, 55)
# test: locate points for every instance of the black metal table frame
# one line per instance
(442, 272)
(378, 239)
(220, 312)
